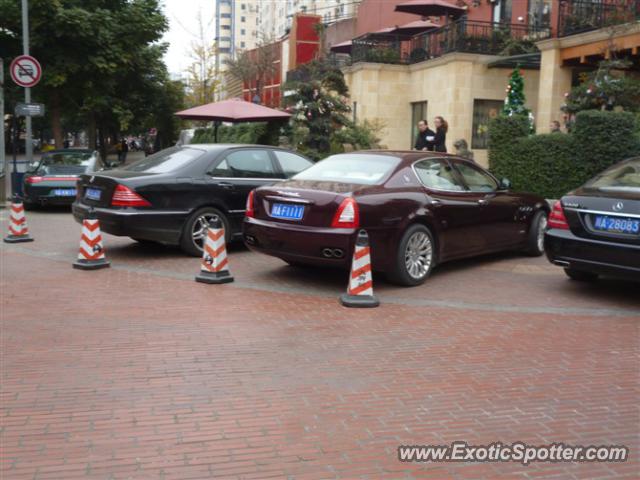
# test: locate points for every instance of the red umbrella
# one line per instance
(413, 28)
(430, 8)
(233, 110)
(343, 47)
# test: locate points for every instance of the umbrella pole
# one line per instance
(215, 130)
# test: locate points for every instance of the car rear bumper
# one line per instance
(565, 249)
(301, 244)
(157, 226)
(45, 195)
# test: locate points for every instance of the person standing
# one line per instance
(554, 127)
(439, 142)
(424, 140)
(123, 148)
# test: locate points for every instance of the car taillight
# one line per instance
(32, 180)
(125, 197)
(557, 218)
(347, 215)
(38, 179)
(250, 212)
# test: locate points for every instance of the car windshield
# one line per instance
(358, 168)
(622, 177)
(56, 163)
(166, 160)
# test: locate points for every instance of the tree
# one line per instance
(99, 57)
(514, 104)
(202, 80)
(255, 66)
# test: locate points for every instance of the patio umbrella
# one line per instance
(234, 110)
(430, 8)
(413, 28)
(343, 47)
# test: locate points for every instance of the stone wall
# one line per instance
(449, 84)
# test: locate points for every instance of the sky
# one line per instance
(183, 25)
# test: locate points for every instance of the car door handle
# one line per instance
(435, 203)
(482, 201)
(228, 185)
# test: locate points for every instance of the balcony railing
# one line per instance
(578, 16)
(459, 36)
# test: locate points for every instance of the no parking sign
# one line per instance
(25, 71)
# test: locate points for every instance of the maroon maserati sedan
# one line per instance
(419, 209)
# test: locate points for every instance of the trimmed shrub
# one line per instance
(259, 133)
(553, 164)
(604, 138)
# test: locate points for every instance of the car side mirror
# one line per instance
(505, 184)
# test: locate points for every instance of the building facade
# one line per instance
(460, 70)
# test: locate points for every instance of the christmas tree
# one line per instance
(514, 103)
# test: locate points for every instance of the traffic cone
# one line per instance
(360, 289)
(18, 230)
(91, 255)
(214, 256)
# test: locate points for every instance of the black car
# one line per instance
(171, 196)
(51, 179)
(595, 230)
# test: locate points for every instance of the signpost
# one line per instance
(29, 110)
(25, 71)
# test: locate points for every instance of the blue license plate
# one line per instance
(287, 211)
(93, 193)
(64, 192)
(605, 223)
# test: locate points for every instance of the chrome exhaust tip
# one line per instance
(327, 252)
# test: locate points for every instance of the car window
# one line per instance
(291, 163)
(623, 177)
(366, 169)
(245, 164)
(476, 179)
(437, 175)
(166, 160)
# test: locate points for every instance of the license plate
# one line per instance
(65, 192)
(287, 211)
(605, 223)
(93, 193)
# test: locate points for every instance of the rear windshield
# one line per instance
(61, 163)
(363, 169)
(622, 177)
(166, 160)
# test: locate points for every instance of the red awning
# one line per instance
(233, 110)
(343, 47)
(430, 8)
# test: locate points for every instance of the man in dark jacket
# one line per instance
(424, 140)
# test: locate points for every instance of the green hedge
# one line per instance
(553, 164)
(260, 133)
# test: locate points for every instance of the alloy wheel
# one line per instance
(418, 255)
(200, 227)
(542, 226)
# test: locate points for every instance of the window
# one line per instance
(476, 179)
(243, 19)
(245, 164)
(225, 15)
(291, 163)
(364, 169)
(621, 177)
(166, 160)
(243, 6)
(242, 44)
(243, 31)
(437, 175)
(225, 27)
(418, 112)
(483, 111)
(502, 11)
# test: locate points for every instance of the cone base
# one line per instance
(91, 264)
(214, 278)
(17, 238)
(359, 301)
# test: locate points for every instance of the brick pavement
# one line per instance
(139, 372)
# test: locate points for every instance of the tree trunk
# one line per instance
(103, 145)
(56, 124)
(91, 133)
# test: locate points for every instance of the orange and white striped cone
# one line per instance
(360, 290)
(18, 230)
(215, 263)
(91, 255)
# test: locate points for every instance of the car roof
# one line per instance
(222, 146)
(410, 156)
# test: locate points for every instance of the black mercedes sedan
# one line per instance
(51, 179)
(171, 196)
(595, 230)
